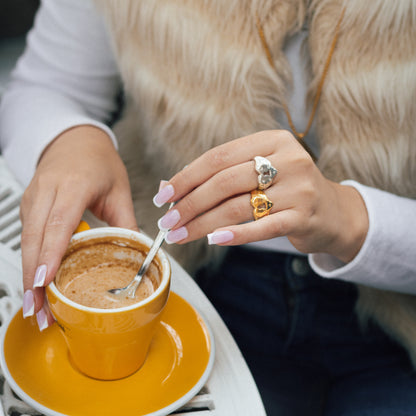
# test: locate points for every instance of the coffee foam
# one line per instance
(90, 268)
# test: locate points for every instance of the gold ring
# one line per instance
(260, 203)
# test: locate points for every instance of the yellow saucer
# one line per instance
(180, 360)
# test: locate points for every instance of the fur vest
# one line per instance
(195, 75)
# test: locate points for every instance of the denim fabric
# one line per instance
(302, 341)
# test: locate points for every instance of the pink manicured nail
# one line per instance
(162, 184)
(176, 235)
(169, 220)
(220, 237)
(28, 304)
(40, 276)
(163, 195)
(42, 319)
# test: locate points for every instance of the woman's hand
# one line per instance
(79, 170)
(213, 195)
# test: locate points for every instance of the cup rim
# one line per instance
(125, 233)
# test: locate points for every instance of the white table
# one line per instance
(230, 389)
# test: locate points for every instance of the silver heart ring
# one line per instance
(266, 172)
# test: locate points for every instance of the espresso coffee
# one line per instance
(90, 269)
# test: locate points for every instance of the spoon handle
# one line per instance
(158, 241)
(134, 284)
(151, 254)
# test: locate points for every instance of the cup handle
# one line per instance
(82, 226)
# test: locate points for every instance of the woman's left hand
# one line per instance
(213, 197)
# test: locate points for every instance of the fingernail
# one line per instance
(42, 319)
(40, 276)
(28, 304)
(169, 220)
(162, 184)
(220, 237)
(176, 235)
(163, 195)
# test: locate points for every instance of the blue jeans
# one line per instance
(302, 341)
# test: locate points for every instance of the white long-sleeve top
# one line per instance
(68, 76)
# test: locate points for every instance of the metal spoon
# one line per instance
(130, 290)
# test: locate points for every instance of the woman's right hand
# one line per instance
(79, 170)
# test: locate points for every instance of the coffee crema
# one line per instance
(91, 268)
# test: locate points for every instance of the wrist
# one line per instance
(352, 223)
(76, 138)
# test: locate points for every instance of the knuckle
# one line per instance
(56, 219)
(218, 157)
(300, 159)
(28, 236)
(268, 137)
(278, 137)
(261, 135)
(286, 135)
(235, 210)
(303, 223)
(278, 227)
(232, 178)
(187, 206)
(23, 211)
(27, 278)
(310, 198)
(227, 183)
(307, 190)
(283, 136)
(26, 198)
(180, 177)
(75, 181)
(43, 182)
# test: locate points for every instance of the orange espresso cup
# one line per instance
(110, 344)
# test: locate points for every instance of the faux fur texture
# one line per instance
(195, 75)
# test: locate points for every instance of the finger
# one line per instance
(217, 159)
(233, 211)
(33, 222)
(212, 204)
(44, 317)
(277, 225)
(63, 219)
(236, 180)
(39, 297)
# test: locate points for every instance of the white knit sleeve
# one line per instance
(67, 76)
(387, 259)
